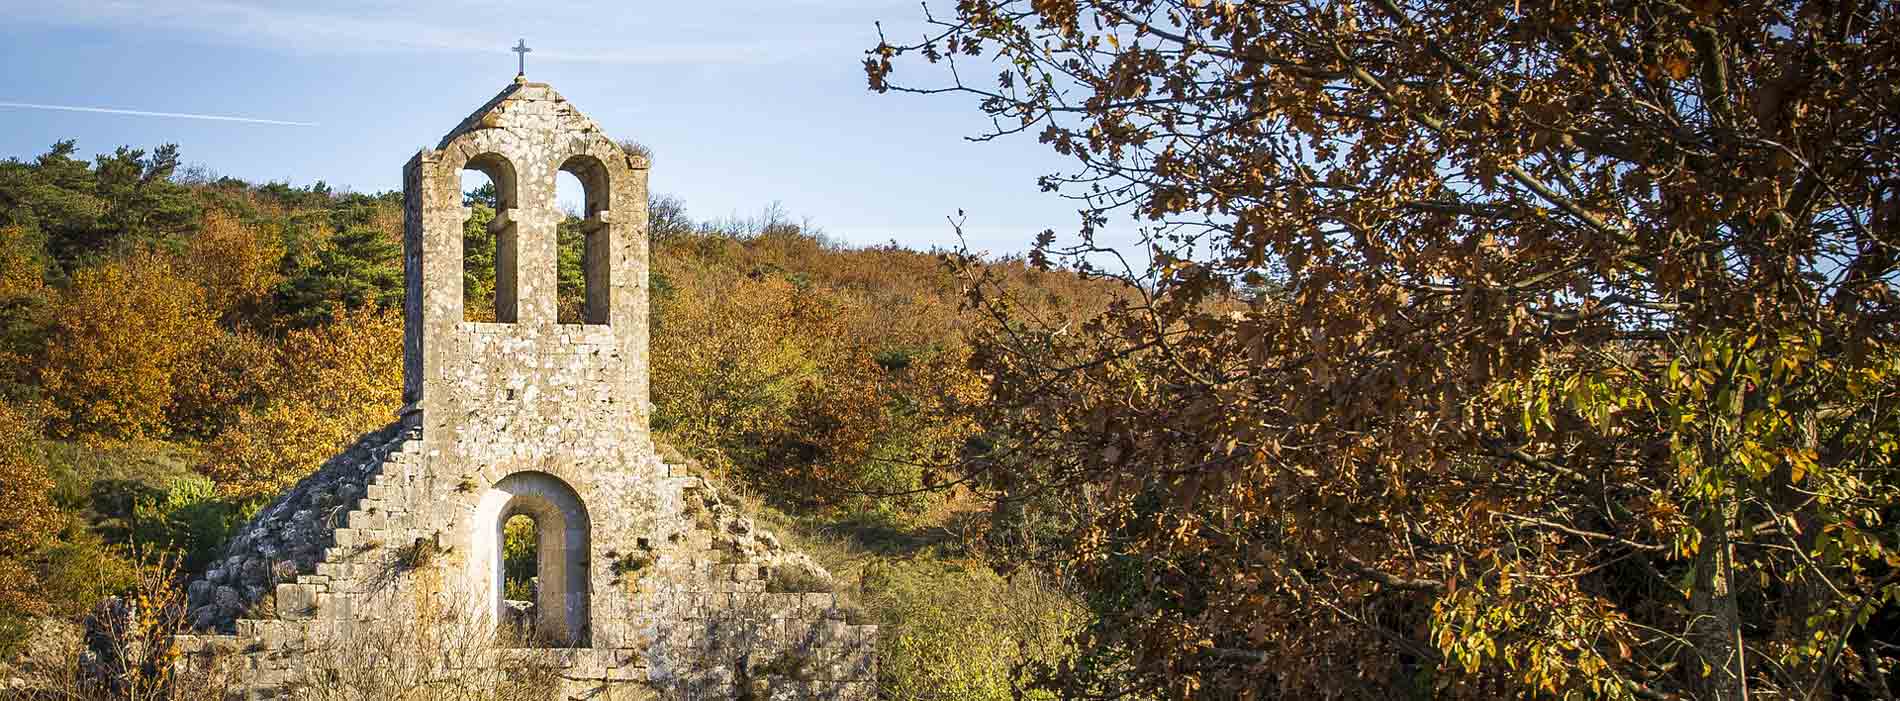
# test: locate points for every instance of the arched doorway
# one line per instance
(562, 540)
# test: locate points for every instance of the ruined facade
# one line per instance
(648, 585)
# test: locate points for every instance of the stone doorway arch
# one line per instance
(561, 553)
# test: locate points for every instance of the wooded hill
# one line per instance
(178, 348)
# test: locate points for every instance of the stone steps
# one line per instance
(360, 531)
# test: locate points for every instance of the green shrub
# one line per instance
(958, 631)
(189, 518)
(518, 564)
(143, 495)
(81, 568)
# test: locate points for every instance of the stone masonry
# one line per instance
(649, 585)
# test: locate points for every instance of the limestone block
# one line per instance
(580, 689)
(587, 664)
(818, 602)
(626, 673)
(189, 644)
(855, 661)
(296, 601)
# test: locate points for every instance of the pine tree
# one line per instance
(360, 267)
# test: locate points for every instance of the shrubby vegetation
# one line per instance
(957, 630)
(178, 348)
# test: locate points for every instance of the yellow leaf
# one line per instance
(1677, 66)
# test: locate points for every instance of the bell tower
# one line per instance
(648, 583)
(525, 385)
(512, 411)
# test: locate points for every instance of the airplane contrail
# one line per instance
(144, 113)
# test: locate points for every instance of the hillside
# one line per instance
(178, 348)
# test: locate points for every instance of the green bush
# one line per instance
(188, 518)
(518, 564)
(81, 569)
(958, 631)
(144, 496)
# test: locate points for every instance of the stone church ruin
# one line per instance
(648, 585)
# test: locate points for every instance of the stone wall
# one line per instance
(692, 615)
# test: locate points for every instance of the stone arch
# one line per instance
(597, 226)
(501, 172)
(595, 181)
(562, 608)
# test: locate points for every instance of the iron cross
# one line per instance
(521, 47)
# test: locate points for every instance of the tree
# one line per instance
(144, 206)
(50, 196)
(114, 340)
(728, 368)
(667, 218)
(23, 299)
(478, 255)
(570, 275)
(361, 267)
(821, 374)
(125, 201)
(237, 266)
(227, 375)
(331, 384)
(31, 518)
(1577, 374)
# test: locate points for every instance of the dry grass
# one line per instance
(124, 653)
(443, 653)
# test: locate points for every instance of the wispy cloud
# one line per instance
(148, 113)
(605, 31)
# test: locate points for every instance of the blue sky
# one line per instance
(743, 103)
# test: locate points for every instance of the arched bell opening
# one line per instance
(596, 238)
(560, 539)
(489, 244)
(570, 237)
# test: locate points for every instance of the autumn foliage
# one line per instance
(122, 330)
(1487, 348)
(30, 516)
(829, 374)
(173, 352)
(323, 388)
